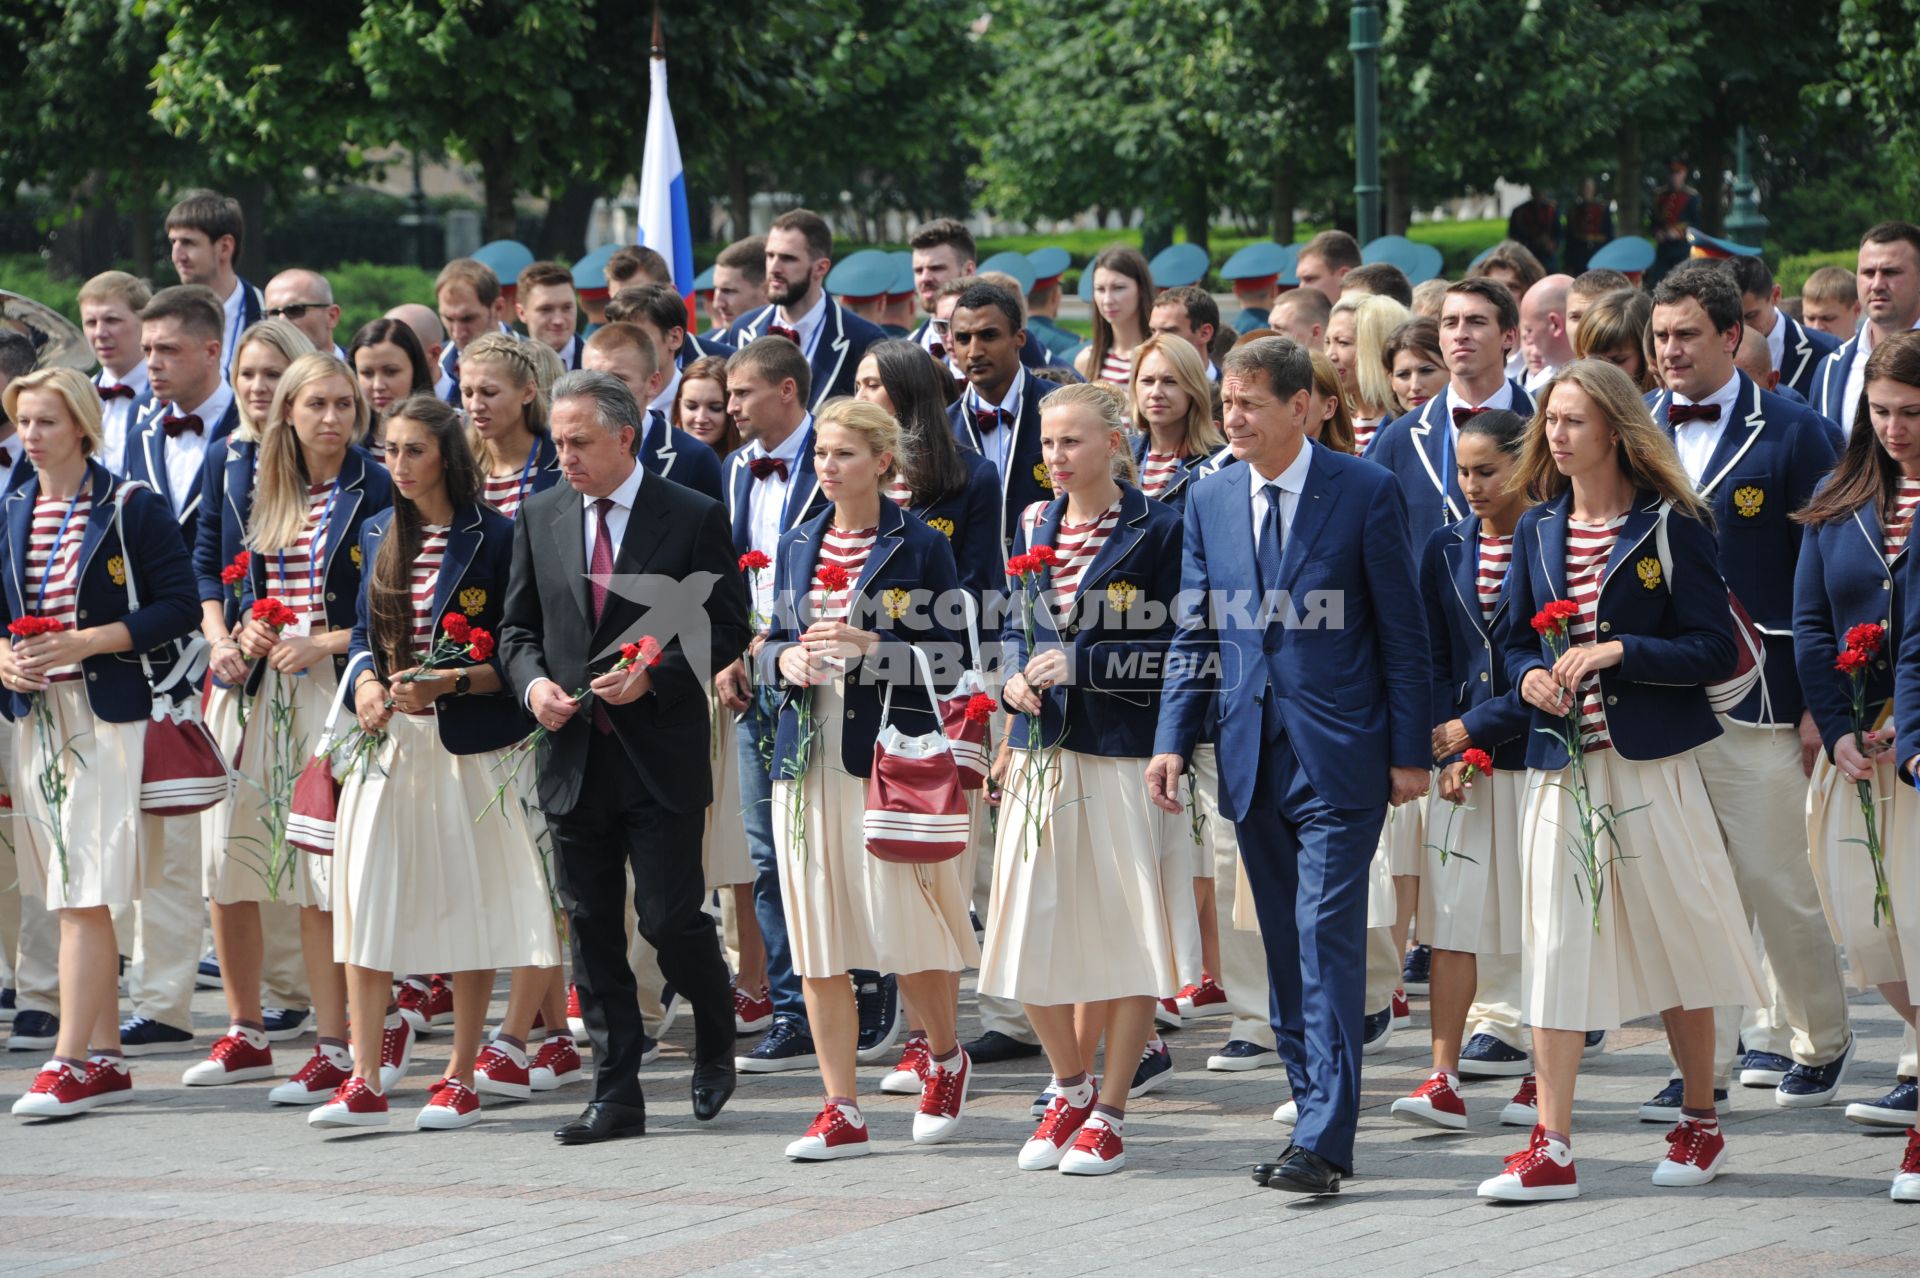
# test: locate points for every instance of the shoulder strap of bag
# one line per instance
(1662, 547)
(926, 672)
(324, 745)
(973, 629)
(194, 653)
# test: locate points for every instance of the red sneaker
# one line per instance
(1696, 1152)
(909, 1077)
(750, 1014)
(1402, 1012)
(555, 1065)
(1054, 1136)
(396, 1052)
(942, 1100)
(574, 1021)
(411, 1000)
(59, 1090)
(1542, 1172)
(354, 1104)
(501, 1071)
(1524, 1109)
(1204, 999)
(1906, 1182)
(453, 1104)
(833, 1134)
(1435, 1103)
(1096, 1151)
(439, 1005)
(1166, 1013)
(234, 1059)
(318, 1079)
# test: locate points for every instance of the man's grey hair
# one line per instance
(1288, 366)
(612, 401)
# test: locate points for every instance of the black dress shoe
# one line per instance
(1301, 1171)
(712, 1087)
(603, 1120)
(1263, 1171)
(994, 1046)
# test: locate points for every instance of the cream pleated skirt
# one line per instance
(99, 816)
(420, 885)
(846, 908)
(1842, 868)
(1100, 905)
(1472, 903)
(238, 862)
(724, 850)
(1672, 931)
(1401, 851)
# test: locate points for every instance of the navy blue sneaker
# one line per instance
(208, 975)
(1416, 974)
(1379, 1027)
(879, 1001)
(140, 1036)
(1240, 1055)
(1155, 1068)
(1894, 1111)
(1485, 1056)
(1809, 1086)
(786, 1045)
(1665, 1106)
(285, 1024)
(1763, 1069)
(33, 1032)
(1039, 1107)
(8, 1005)
(1596, 1041)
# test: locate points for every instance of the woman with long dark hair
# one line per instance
(700, 406)
(1122, 314)
(387, 357)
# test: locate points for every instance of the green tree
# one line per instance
(1879, 74)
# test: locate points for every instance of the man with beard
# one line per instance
(799, 255)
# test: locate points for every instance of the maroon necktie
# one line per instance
(1460, 415)
(989, 418)
(1681, 414)
(761, 467)
(781, 330)
(599, 569)
(178, 426)
(117, 391)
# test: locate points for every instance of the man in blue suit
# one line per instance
(1479, 329)
(799, 255)
(1322, 690)
(998, 415)
(1756, 458)
(1888, 279)
(1795, 349)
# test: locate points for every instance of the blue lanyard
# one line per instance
(316, 550)
(53, 558)
(1446, 468)
(526, 477)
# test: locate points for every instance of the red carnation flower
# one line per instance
(458, 628)
(832, 577)
(980, 707)
(649, 651)
(754, 561)
(1866, 637)
(1045, 556)
(1477, 761)
(1021, 565)
(236, 572)
(274, 613)
(479, 644)
(1852, 661)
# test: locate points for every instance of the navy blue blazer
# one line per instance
(1771, 456)
(226, 499)
(910, 570)
(1421, 458)
(1349, 665)
(844, 338)
(1026, 479)
(1829, 391)
(671, 453)
(1843, 579)
(1801, 355)
(804, 498)
(967, 519)
(365, 490)
(694, 348)
(117, 688)
(1111, 704)
(1468, 683)
(145, 460)
(473, 582)
(1673, 641)
(1190, 469)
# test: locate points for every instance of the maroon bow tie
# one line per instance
(178, 426)
(990, 418)
(6, 455)
(116, 391)
(781, 330)
(1681, 414)
(1460, 415)
(764, 466)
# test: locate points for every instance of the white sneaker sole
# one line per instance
(902, 1082)
(577, 1027)
(347, 1118)
(752, 1027)
(1241, 1064)
(288, 1094)
(1041, 1155)
(1288, 1112)
(1906, 1188)
(1672, 1175)
(929, 1130)
(195, 1077)
(1152, 1084)
(545, 1080)
(1496, 1069)
(1812, 1101)
(1088, 1165)
(508, 1091)
(155, 1049)
(1509, 1192)
(1519, 1115)
(1165, 1019)
(806, 1151)
(438, 1118)
(1210, 1011)
(881, 1050)
(1768, 1078)
(1423, 1115)
(759, 1065)
(43, 1106)
(1874, 1116)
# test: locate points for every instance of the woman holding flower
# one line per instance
(80, 706)
(1612, 628)
(1093, 916)
(313, 489)
(859, 589)
(421, 882)
(1470, 871)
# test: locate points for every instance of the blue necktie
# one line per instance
(1267, 554)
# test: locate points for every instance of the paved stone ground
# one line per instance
(181, 1181)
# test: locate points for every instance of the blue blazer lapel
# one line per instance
(1430, 442)
(463, 540)
(1046, 532)
(100, 518)
(1741, 430)
(153, 454)
(1552, 530)
(1120, 542)
(803, 553)
(886, 540)
(1463, 569)
(829, 353)
(1640, 522)
(19, 533)
(1309, 517)
(739, 490)
(353, 470)
(239, 481)
(803, 487)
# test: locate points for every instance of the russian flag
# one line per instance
(664, 225)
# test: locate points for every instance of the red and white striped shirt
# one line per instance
(898, 492)
(1077, 545)
(1905, 499)
(293, 575)
(1588, 547)
(504, 492)
(1363, 431)
(1496, 556)
(1157, 472)
(59, 596)
(849, 550)
(1116, 368)
(426, 580)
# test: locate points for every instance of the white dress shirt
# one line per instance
(663, 402)
(1696, 441)
(1501, 399)
(236, 324)
(116, 415)
(767, 505)
(1535, 381)
(1777, 340)
(995, 445)
(623, 499)
(1857, 376)
(808, 326)
(1293, 482)
(186, 453)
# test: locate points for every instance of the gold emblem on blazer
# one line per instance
(1121, 594)
(895, 601)
(1748, 500)
(355, 555)
(943, 526)
(117, 569)
(1041, 477)
(472, 600)
(1648, 570)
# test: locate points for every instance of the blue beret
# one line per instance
(1086, 283)
(1398, 250)
(1049, 263)
(1179, 264)
(703, 282)
(1704, 245)
(590, 272)
(1628, 254)
(868, 273)
(1290, 272)
(902, 273)
(1481, 256)
(1427, 263)
(1255, 261)
(505, 258)
(1014, 264)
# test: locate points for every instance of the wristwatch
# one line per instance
(462, 685)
